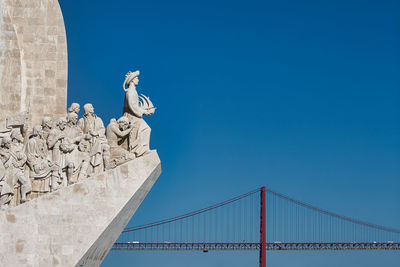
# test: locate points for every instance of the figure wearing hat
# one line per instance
(135, 107)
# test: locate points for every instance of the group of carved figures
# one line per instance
(58, 154)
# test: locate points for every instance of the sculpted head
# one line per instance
(37, 131)
(61, 123)
(72, 118)
(75, 107)
(123, 123)
(16, 136)
(135, 81)
(83, 145)
(6, 141)
(88, 108)
(131, 79)
(47, 123)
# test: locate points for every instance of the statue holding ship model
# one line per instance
(135, 107)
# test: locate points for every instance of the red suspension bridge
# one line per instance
(259, 220)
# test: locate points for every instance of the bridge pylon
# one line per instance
(263, 240)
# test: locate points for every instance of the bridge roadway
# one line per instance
(256, 246)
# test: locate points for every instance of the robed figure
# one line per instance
(135, 107)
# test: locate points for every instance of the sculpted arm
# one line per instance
(120, 133)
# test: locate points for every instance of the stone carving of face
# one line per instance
(62, 124)
(83, 145)
(76, 108)
(88, 108)
(135, 81)
(46, 122)
(72, 118)
(37, 131)
(123, 125)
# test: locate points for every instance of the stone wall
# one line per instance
(33, 59)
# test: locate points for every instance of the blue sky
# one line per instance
(299, 96)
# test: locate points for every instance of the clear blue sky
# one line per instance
(299, 96)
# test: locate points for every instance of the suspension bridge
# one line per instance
(259, 220)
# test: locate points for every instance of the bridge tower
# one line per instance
(263, 239)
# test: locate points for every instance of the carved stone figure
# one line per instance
(72, 132)
(17, 140)
(81, 160)
(135, 107)
(14, 160)
(44, 172)
(6, 178)
(6, 191)
(47, 125)
(61, 148)
(19, 159)
(117, 132)
(78, 157)
(74, 108)
(54, 140)
(93, 126)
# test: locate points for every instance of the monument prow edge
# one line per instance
(78, 224)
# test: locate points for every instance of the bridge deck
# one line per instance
(256, 246)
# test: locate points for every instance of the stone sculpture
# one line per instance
(58, 155)
(17, 140)
(81, 161)
(44, 172)
(117, 132)
(93, 126)
(78, 157)
(61, 148)
(13, 160)
(47, 125)
(74, 108)
(6, 180)
(135, 107)
(6, 191)
(18, 163)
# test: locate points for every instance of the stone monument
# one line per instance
(68, 186)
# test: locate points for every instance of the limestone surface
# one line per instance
(76, 225)
(33, 59)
